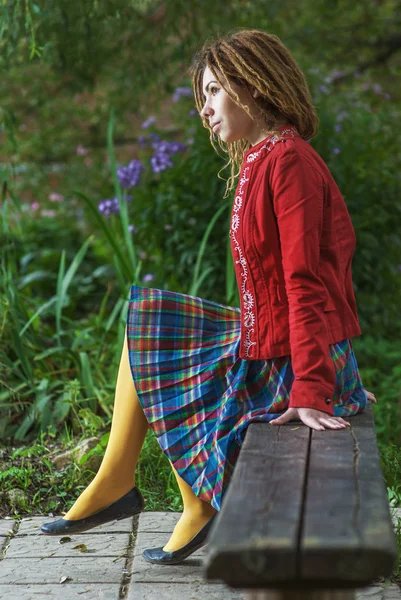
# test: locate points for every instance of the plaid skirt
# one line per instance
(199, 396)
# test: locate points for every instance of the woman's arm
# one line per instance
(297, 188)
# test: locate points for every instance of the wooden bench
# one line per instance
(306, 514)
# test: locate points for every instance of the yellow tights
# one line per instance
(116, 475)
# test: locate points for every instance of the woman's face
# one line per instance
(229, 121)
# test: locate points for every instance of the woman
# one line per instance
(198, 372)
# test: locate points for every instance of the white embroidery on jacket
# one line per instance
(271, 142)
(248, 315)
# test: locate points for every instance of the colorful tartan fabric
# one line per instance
(199, 396)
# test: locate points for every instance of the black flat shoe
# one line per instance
(160, 557)
(128, 505)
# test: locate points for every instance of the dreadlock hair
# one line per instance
(250, 57)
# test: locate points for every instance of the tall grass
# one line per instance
(58, 367)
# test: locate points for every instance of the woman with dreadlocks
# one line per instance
(198, 372)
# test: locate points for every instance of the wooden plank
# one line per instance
(347, 534)
(256, 540)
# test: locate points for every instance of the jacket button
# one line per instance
(328, 400)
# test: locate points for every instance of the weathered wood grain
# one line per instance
(347, 531)
(258, 529)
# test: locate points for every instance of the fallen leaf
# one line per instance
(64, 539)
(82, 548)
(65, 578)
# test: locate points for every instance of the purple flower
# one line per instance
(377, 88)
(177, 147)
(129, 176)
(193, 112)
(108, 206)
(387, 96)
(148, 277)
(336, 151)
(180, 92)
(324, 88)
(142, 140)
(338, 127)
(161, 146)
(149, 121)
(160, 162)
(163, 151)
(169, 147)
(132, 228)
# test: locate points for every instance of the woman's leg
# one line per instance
(196, 514)
(116, 475)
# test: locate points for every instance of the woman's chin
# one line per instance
(229, 138)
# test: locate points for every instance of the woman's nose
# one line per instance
(206, 110)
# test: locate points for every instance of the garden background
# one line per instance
(108, 179)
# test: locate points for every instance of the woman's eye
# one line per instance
(212, 90)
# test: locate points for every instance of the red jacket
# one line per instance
(292, 242)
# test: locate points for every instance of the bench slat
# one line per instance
(347, 530)
(259, 522)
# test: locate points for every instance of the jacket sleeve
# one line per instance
(298, 191)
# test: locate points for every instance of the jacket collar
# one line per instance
(257, 151)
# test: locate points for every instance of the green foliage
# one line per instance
(42, 487)
(379, 362)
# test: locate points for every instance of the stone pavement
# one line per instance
(106, 564)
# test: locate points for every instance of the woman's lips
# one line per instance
(216, 126)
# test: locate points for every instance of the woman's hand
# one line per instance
(371, 397)
(316, 419)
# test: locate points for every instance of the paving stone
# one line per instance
(190, 570)
(379, 591)
(106, 544)
(183, 591)
(31, 525)
(392, 592)
(7, 526)
(66, 591)
(83, 569)
(162, 522)
(372, 592)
